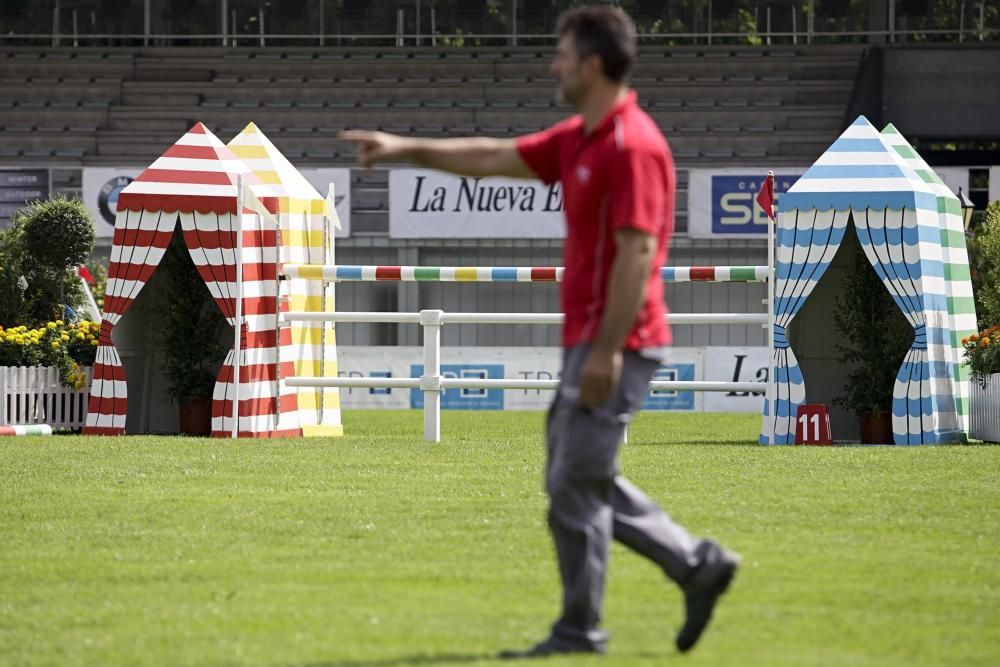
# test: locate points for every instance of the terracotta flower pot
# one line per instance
(876, 428)
(196, 416)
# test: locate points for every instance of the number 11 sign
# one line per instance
(812, 426)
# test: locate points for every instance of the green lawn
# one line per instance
(379, 550)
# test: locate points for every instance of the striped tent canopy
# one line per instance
(302, 213)
(955, 258)
(195, 182)
(861, 177)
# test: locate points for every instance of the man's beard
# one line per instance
(568, 95)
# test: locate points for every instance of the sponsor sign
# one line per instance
(432, 204)
(525, 363)
(19, 187)
(101, 187)
(721, 201)
(735, 364)
(463, 399)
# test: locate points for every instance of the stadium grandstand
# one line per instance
(92, 86)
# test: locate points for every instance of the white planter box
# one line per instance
(984, 409)
(35, 395)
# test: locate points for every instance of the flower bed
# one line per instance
(45, 373)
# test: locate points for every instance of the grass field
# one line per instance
(378, 550)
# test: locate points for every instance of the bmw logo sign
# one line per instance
(107, 200)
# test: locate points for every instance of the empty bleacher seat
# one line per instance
(718, 153)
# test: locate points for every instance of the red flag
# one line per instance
(765, 196)
(86, 275)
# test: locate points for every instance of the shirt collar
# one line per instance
(608, 121)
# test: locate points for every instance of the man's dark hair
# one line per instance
(604, 31)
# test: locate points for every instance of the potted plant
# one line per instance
(982, 356)
(875, 337)
(193, 335)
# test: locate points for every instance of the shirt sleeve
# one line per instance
(641, 192)
(540, 151)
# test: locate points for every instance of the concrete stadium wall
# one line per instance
(943, 92)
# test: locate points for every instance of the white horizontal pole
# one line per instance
(505, 383)
(509, 318)
(354, 382)
(501, 318)
(366, 318)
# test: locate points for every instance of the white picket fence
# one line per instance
(35, 395)
(984, 410)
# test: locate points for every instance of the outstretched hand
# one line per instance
(374, 147)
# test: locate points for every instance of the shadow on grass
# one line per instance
(404, 661)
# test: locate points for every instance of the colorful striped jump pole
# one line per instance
(30, 429)
(495, 274)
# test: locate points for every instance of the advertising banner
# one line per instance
(735, 364)
(101, 187)
(721, 201)
(524, 363)
(19, 187)
(432, 204)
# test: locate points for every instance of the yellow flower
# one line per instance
(59, 323)
(81, 336)
(93, 341)
(50, 325)
(64, 337)
(55, 345)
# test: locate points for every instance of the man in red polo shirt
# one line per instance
(618, 183)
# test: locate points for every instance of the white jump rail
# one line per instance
(432, 383)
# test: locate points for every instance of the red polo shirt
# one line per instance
(619, 175)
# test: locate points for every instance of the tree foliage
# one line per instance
(39, 259)
(875, 338)
(985, 260)
(191, 330)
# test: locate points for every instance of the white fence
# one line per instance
(432, 384)
(36, 395)
(984, 409)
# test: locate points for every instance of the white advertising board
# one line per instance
(543, 363)
(432, 204)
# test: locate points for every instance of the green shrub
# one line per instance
(984, 257)
(875, 335)
(192, 332)
(39, 256)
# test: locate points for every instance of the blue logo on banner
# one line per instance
(463, 399)
(380, 391)
(660, 399)
(733, 208)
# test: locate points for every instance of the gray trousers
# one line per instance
(591, 503)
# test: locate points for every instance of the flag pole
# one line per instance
(772, 274)
(238, 315)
